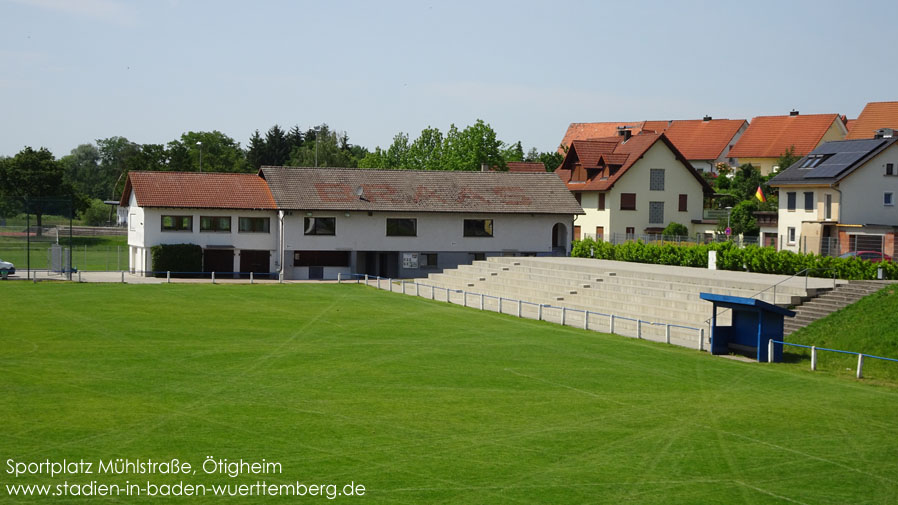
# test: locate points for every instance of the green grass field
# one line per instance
(104, 253)
(868, 326)
(419, 401)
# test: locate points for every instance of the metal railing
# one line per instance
(814, 349)
(586, 319)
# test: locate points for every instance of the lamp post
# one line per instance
(201, 154)
(728, 231)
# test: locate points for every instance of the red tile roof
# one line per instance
(770, 136)
(876, 115)
(696, 139)
(703, 140)
(526, 166)
(600, 153)
(198, 190)
(584, 131)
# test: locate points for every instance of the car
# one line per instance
(6, 269)
(873, 256)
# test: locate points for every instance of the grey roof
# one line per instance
(419, 191)
(839, 159)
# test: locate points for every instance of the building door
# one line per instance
(600, 233)
(218, 260)
(257, 262)
(559, 238)
(576, 232)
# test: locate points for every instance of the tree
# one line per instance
(786, 160)
(35, 182)
(277, 148)
(97, 214)
(326, 149)
(472, 147)
(82, 167)
(206, 151)
(742, 219)
(514, 152)
(255, 152)
(426, 152)
(551, 160)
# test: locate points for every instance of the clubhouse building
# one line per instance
(315, 223)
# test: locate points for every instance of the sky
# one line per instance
(73, 71)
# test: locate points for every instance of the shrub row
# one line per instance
(730, 257)
(177, 258)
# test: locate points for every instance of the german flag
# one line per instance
(760, 195)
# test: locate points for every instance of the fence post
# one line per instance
(701, 339)
(403, 287)
(464, 298)
(586, 320)
(639, 328)
(770, 351)
(252, 278)
(500, 305)
(539, 312)
(366, 279)
(213, 277)
(339, 277)
(563, 314)
(432, 289)
(168, 276)
(813, 358)
(519, 308)
(378, 282)
(667, 333)
(481, 301)
(611, 326)
(79, 275)
(123, 276)
(860, 366)
(390, 284)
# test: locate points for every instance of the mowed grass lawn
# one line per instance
(419, 401)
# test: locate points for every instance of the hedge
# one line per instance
(750, 258)
(176, 258)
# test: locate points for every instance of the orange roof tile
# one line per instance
(198, 190)
(583, 131)
(696, 139)
(770, 136)
(876, 115)
(600, 153)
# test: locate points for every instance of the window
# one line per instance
(600, 232)
(215, 223)
(132, 222)
(478, 227)
(791, 235)
(427, 260)
(683, 203)
(656, 179)
(631, 233)
(808, 201)
(628, 201)
(177, 223)
(656, 212)
(828, 207)
(790, 200)
(601, 201)
(479, 256)
(887, 199)
(890, 169)
(254, 225)
(320, 226)
(401, 227)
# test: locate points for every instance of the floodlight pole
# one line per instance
(201, 154)
(28, 244)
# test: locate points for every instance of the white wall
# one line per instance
(862, 192)
(794, 218)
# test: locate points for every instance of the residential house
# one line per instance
(703, 142)
(308, 223)
(840, 197)
(631, 184)
(768, 137)
(875, 116)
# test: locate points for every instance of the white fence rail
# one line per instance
(685, 336)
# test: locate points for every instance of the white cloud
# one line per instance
(109, 11)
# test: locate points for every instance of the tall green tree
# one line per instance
(255, 152)
(82, 168)
(514, 152)
(206, 151)
(468, 149)
(426, 152)
(277, 148)
(34, 181)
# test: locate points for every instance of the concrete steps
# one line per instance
(826, 304)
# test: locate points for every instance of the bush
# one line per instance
(675, 230)
(730, 257)
(176, 258)
(97, 214)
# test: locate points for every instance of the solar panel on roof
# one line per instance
(845, 146)
(839, 156)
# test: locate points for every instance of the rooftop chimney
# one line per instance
(625, 132)
(484, 167)
(706, 118)
(793, 113)
(884, 133)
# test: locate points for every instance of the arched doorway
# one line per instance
(560, 238)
